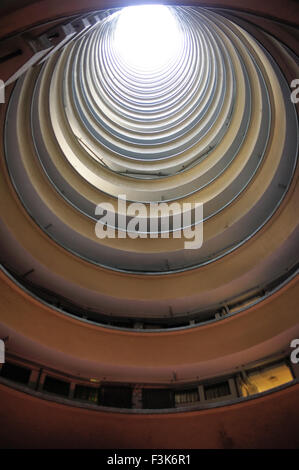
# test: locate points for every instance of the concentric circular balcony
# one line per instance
(111, 330)
(214, 124)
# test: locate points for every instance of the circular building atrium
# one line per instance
(108, 110)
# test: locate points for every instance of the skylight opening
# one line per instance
(147, 37)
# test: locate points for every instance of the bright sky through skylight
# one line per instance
(147, 37)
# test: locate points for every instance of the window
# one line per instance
(186, 396)
(212, 392)
(157, 398)
(58, 387)
(265, 378)
(15, 373)
(90, 394)
(118, 397)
